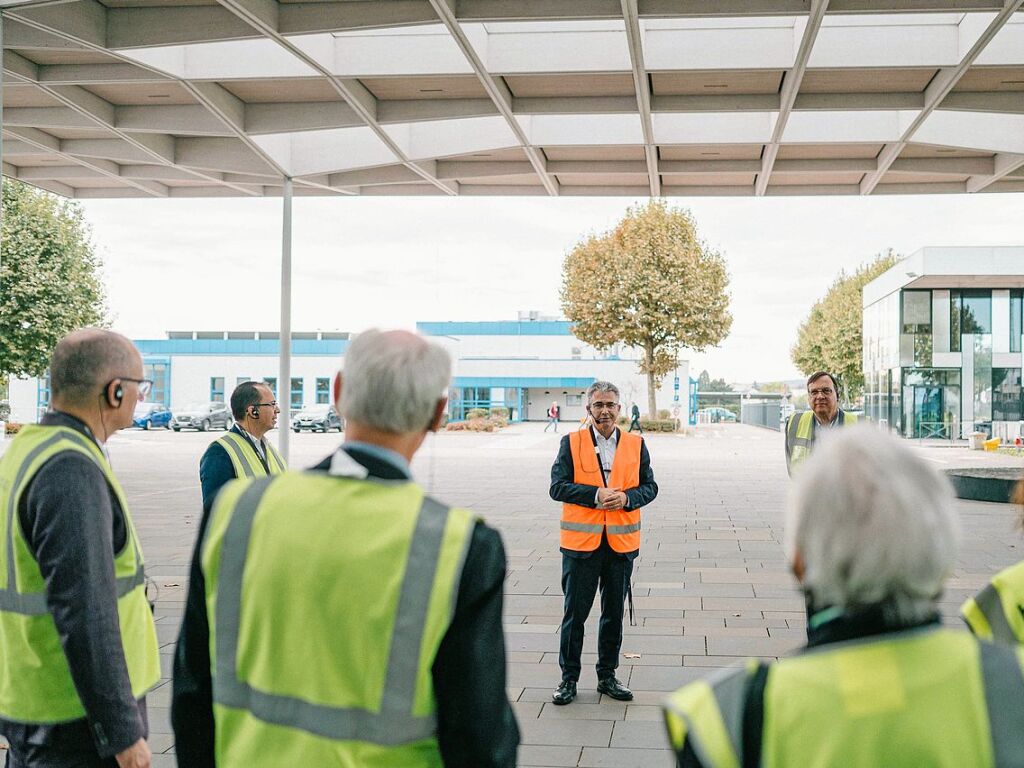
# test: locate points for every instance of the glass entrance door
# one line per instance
(928, 414)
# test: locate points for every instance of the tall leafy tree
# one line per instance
(49, 277)
(649, 283)
(831, 336)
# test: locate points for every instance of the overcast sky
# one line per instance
(360, 262)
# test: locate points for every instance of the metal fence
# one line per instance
(767, 415)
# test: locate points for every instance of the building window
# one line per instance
(323, 391)
(158, 374)
(576, 353)
(976, 312)
(1006, 394)
(271, 381)
(1016, 319)
(43, 394)
(954, 321)
(916, 334)
(297, 396)
(241, 380)
(574, 399)
(217, 389)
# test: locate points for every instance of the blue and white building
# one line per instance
(522, 366)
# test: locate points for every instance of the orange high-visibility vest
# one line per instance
(582, 526)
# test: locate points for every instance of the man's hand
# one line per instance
(611, 498)
(136, 756)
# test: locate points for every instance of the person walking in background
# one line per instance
(603, 477)
(997, 612)
(358, 620)
(634, 415)
(553, 413)
(871, 535)
(802, 429)
(78, 645)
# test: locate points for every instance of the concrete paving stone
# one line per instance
(668, 603)
(716, 661)
(644, 712)
(752, 604)
(626, 758)
(703, 615)
(639, 735)
(526, 657)
(646, 659)
(527, 710)
(549, 732)
(665, 679)
(662, 644)
(552, 757)
(160, 742)
(767, 623)
(533, 675)
(748, 646)
(607, 709)
(167, 760)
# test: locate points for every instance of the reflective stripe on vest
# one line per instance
(800, 434)
(871, 702)
(395, 724)
(709, 716)
(997, 612)
(38, 685)
(582, 527)
(244, 459)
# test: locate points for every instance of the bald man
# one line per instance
(77, 636)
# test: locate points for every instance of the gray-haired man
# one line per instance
(358, 620)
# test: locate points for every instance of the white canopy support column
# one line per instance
(284, 386)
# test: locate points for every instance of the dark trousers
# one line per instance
(581, 577)
(40, 756)
(636, 423)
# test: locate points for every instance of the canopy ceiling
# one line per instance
(139, 98)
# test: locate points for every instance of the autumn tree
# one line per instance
(831, 337)
(49, 277)
(649, 283)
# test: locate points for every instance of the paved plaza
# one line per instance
(711, 585)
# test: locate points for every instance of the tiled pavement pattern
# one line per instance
(711, 584)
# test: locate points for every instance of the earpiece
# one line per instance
(255, 411)
(118, 394)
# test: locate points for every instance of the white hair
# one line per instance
(874, 525)
(393, 380)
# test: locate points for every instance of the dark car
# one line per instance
(203, 416)
(152, 415)
(317, 418)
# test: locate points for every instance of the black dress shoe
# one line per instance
(612, 687)
(565, 692)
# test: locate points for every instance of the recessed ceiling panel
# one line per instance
(595, 153)
(272, 91)
(406, 88)
(992, 79)
(875, 80)
(574, 85)
(705, 83)
(142, 94)
(828, 151)
(713, 127)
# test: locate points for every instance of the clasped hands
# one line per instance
(611, 498)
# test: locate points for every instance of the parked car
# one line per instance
(717, 414)
(203, 416)
(152, 415)
(317, 418)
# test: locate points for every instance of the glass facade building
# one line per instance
(943, 362)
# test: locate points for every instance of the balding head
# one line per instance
(393, 380)
(85, 361)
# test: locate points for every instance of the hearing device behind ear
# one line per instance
(255, 411)
(117, 396)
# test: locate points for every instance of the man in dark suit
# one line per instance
(603, 477)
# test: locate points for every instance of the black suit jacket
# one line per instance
(565, 489)
(475, 723)
(216, 469)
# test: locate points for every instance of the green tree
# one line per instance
(49, 277)
(649, 283)
(831, 337)
(704, 381)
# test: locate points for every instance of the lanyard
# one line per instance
(600, 462)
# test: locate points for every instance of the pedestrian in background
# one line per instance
(802, 429)
(553, 413)
(634, 416)
(78, 646)
(357, 620)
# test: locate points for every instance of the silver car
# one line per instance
(203, 416)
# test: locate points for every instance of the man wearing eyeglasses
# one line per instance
(603, 477)
(77, 636)
(242, 452)
(802, 428)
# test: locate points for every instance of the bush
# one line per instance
(478, 424)
(500, 411)
(476, 413)
(658, 425)
(664, 414)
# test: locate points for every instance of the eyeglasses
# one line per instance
(826, 391)
(271, 404)
(599, 406)
(145, 385)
